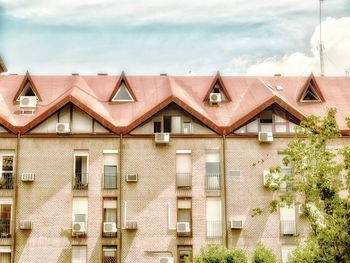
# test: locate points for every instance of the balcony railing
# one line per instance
(183, 180)
(214, 228)
(6, 180)
(288, 228)
(212, 181)
(80, 180)
(5, 228)
(110, 181)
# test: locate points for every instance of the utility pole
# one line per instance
(321, 43)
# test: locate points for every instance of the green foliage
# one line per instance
(219, 254)
(263, 254)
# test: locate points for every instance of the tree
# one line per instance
(220, 254)
(320, 183)
(263, 254)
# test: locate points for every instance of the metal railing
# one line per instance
(288, 227)
(110, 181)
(6, 180)
(183, 180)
(80, 180)
(214, 228)
(5, 228)
(212, 181)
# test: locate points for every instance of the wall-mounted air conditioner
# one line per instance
(162, 137)
(27, 102)
(236, 224)
(78, 228)
(183, 227)
(132, 178)
(215, 98)
(129, 224)
(166, 260)
(109, 227)
(62, 127)
(265, 137)
(28, 177)
(26, 225)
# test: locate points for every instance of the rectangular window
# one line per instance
(285, 174)
(287, 220)
(184, 254)
(5, 217)
(79, 254)
(6, 170)
(5, 254)
(109, 254)
(80, 210)
(287, 250)
(157, 127)
(110, 170)
(184, 217)
(187, 127)
(253, 126)
(281, 122)
(214, 218)
(266, 121)
(212, 168)
(167, 123)
(183, 170)
(110, 217)
(175, 124)
(81, 159)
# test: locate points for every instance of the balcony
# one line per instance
(288, 228)
(5, 228)
(6, 180)
(214, 228)
(183, 180)
(110, 181)
(80, 181)
(212, 182)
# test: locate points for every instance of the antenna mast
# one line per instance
(321, 43)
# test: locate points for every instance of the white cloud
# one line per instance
(336, 41)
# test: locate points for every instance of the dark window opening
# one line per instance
(311, 95)
(266, 116)
(167, 123)
(157, 126)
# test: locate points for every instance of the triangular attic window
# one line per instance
(310, 94)
(311, 91)
(27, 91)
(123, 94)
(27, 88)
(217, 87)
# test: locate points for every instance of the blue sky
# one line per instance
(177, 37)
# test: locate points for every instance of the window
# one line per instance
(184, 217)
(157, 126)
(5, 217)
(187, 127)
(81, 170)
(287, 250)
(6, 170)
(167, 123)
(212, 168)
(183, 169)
(110, 217)
(110, 170)
(266, 121)
(80, 212)
(123, 94)
(310, 95)
(285, 174)
(214, 218)
(5, 254)
(79, 254)
(109, 254)
(172, 124)
(184, 254)
(287, 218)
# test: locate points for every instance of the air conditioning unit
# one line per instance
(162, 137)
(109, 227)
(132, 178)
(26, 225)
(27, 101)
(265, 137)
(267, 176)
(183, 227)
(236, 224)
(166, 260)
(79, 228)
(62, 127)
(28, 177)
(131, 224)
(215, 97)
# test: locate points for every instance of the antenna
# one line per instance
(321, 43)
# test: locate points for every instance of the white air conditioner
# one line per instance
(109, 227)
(78, 228)
(62, 127)
(265, 137)
(162, 137)
(27, 101)
(268, 178)
(215, 97)
(166, 260)
(132, 178)
(28, 177)
(183, 227)
(236, 224)
(26, 225)
(131, 224)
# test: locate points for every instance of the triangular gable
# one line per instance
(2, 66)
(122, 91)
(27, 88)
(311, 92)
(218, 86)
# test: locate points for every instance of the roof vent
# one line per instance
(75, 74)
(347, 72)
(279, 87)
(278, 75)
(102, 74)
(163, 74)
(13, 74)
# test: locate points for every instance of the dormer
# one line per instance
(27, 89)
(217, 91)
(122, 91)
(2, 66)
(311, 92)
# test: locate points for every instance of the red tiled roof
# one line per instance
(250, 95)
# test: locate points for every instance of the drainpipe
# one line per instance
(224, 186)
(15, 186)
(120, 197)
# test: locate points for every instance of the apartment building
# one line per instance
(149, 169)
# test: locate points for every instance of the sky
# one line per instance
(193, 37)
